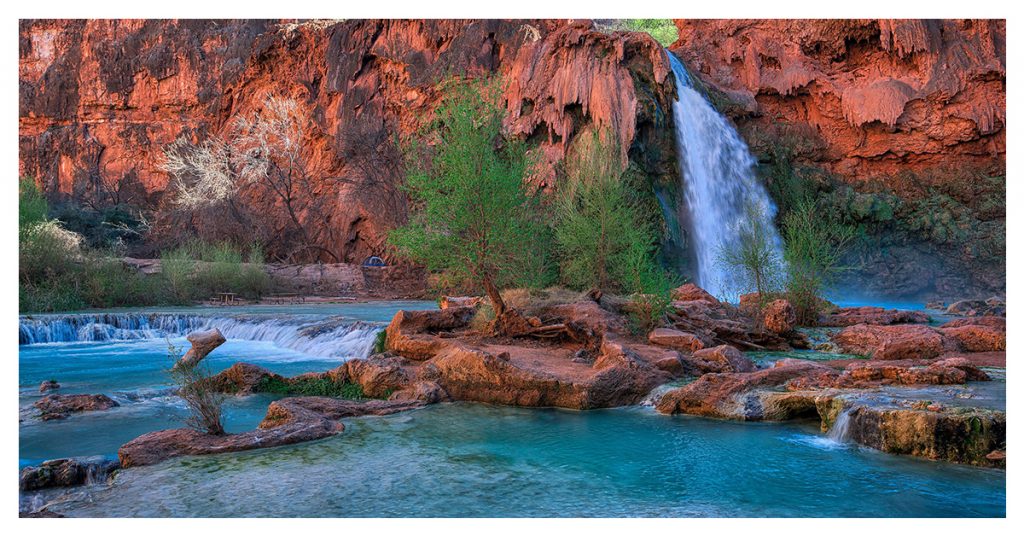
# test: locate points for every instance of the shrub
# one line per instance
(380, 342)
(310, 387)
(756, 263)
(199, 269)
(651, 287)
(32, 205)
(599, 223)
(815, 244)
(204, 403)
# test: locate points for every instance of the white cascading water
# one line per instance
(841, 428)
(339, 338)
(719, 185)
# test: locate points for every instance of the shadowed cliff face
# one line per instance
(906, 119)
(100, 99)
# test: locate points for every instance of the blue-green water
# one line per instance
(470, 460)
(466, 459)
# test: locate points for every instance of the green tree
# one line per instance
(473, 217)
(815, 243)
(755, 262)
(600, 225)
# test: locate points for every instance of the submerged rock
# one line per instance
(299, 426)
(60, 406)
(48, 385)
(65, 472)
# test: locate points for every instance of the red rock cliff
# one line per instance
(99, 99)
(885, 96)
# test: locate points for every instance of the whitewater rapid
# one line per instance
(330, 337)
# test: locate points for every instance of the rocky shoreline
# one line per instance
(595, 361)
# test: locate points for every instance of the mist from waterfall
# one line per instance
(721, 191)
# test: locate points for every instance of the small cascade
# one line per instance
(334, 337)
(655, 395)
(840, 430)
(723, 196)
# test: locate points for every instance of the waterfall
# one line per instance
(840, 430)
(335, 337)
(723, 196)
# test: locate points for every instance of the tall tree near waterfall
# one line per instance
(474, 218)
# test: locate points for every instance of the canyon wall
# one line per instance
(100, 99)
(901, 123)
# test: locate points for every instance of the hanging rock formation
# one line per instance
(99, 100)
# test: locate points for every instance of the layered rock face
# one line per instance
(907, 117)
(884, 96)
(100, 99)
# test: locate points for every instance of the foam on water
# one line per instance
(335, 337)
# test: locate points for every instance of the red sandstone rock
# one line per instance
(998, 322)
(378, 375)
(907, 341)
(849, 316)
(60, 406)
(884, 96)
(48, 385)
(691, 292)
(679, 340)
(242, 378)
(737, 395)
(421, 391)
(779, 316)
(977, 338)
(411, 334)
(719, 359)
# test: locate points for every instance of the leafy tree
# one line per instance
(473, 219)
(815, 243)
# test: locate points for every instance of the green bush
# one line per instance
(310, 387)
(815, 244)
(663, 31)
(199, 269)
(600, 226)
(756, 263)
(651, 287)
(380, 342)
